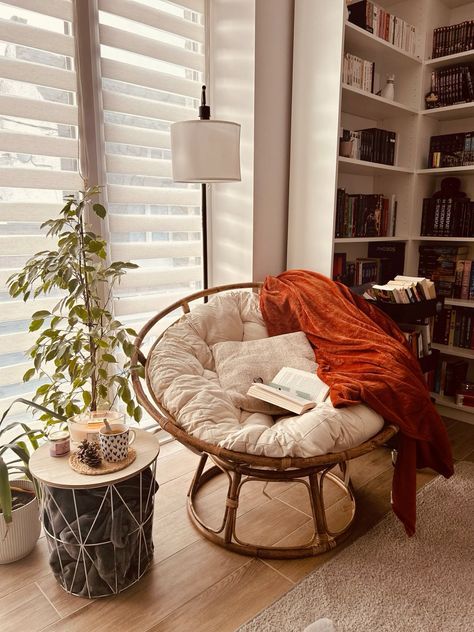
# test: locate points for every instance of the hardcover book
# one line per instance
(292, 389)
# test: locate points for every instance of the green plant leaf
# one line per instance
(36, 324)
(29, 374)
(108, 357)
(99, 210)
(87, 397)
(5, 493)
(41, 314)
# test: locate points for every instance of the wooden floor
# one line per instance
(193, 584)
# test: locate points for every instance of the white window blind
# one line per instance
(152, 64)
(38, 155)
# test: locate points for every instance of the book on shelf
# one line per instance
(372, 145)
(454, 326)
(391, 256)
(418, 336)
(451, 150)
(455, 38)
(451, 85)
(374, 19)
(358, 72)
(292, 389)
(450, 374)
(364, 215)
(447, 217)
(449, 268)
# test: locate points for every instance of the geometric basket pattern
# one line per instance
(100, 539)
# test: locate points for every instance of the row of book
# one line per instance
(451, 150)
(449, 375)
(454, 326)
(447, 217)
(388, 257)
(451, 85)
(448, 40)
(365, 215)
(418, 337)
(373, 145)
(441, 264)
(370, 17)
(358, 72)
(404, 289)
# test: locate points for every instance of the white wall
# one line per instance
(250, 83)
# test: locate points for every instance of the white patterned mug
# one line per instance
(114, 445)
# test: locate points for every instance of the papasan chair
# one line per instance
(197, 372)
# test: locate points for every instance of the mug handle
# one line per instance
(132, 437)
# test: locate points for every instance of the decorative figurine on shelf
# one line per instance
(432, 98)
(388, 91)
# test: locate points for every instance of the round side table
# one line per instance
(98, 528)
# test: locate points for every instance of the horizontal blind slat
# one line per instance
(154, 223)
(34, 37)
(13, 374)
(38, 145)
(38, 74)
(140, 136)
(154, 277)
(17, 342)
(193, 5)
(128, 73)
(153, 17)
(25, 245)
(117, 38)
(139, 166)
(61, 9)
(120, 194)
(156, 250)
(38, 110)
(147, 108)
(28, 211)
(8, 401)
(17, 310)
(147, 303)
(40, 179)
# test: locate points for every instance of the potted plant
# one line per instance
(79, 339)
(19, 518)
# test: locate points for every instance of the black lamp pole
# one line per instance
(204, 115)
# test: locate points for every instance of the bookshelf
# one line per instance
(322, 105)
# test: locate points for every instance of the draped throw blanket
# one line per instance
(363, 357)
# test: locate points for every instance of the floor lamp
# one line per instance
(205, 151)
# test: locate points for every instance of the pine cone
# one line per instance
(89, 453)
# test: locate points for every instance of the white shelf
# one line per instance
(459, 302)
(365, 168)
(451, 112)
(455, 351)
(460, 239)
(448, 407)
(447, 60)
(467, 170)
(355, 240)
(372, 106)
(372, 47)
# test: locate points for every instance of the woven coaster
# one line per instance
(106, 467)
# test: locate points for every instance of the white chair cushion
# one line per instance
(183, 377)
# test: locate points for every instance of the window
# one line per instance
(152, 66)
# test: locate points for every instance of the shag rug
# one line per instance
(387, 582)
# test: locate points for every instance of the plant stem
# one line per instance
(87, 301)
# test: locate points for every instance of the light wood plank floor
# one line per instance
(193, 584)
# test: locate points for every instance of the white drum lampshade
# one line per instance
(205, 151)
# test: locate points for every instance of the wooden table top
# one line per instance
(56, 471)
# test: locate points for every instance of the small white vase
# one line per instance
(388, 91)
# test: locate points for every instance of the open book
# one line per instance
(293, 389)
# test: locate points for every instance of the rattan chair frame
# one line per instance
(241, 468)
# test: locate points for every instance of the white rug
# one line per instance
(387, 582)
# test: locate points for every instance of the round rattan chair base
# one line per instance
(226, 535)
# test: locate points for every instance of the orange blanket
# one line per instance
(363, 356)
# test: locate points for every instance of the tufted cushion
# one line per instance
(237, 363)
(182, 374)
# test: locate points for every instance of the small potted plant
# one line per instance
(76, 353)
(19, 519)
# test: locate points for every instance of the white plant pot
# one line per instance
(23, 531)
